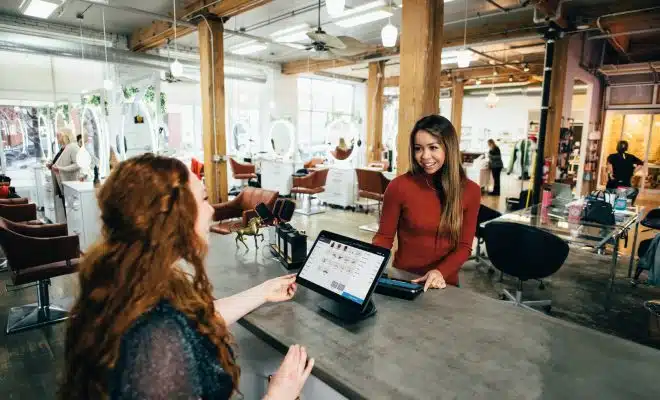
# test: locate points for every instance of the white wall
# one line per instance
(510, 115)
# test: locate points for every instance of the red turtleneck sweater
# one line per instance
(411, 210)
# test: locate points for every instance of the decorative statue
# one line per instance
(252, 229)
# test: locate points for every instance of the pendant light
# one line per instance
(335, 8)
(389, 33)
(175, 68)
(464, 55)
(107, 83)
(492, 99)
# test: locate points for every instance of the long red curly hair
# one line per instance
(148, 213)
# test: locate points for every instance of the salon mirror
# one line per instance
(241, 136)
(45, 136)
(282, 138)
(342, 139)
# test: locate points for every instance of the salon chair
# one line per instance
(652, 222)
(526, 253)
(20, 211)
(242, 171)
(485, 214)
(237, 213)
(307, 186)
(371, 185)
(35, 255)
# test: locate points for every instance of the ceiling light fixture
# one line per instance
(492, 99)
(248, 47)
(526, 67)
(38, 8)
(364, 14)
(510, 78)
(389, 34)
(478, 82)
(176, 69)
(294, 34)
(464, 55)
(335, 8)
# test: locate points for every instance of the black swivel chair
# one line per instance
(526, 253)
(652, 222)
(485, 214)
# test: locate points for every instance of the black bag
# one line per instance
(599, 212)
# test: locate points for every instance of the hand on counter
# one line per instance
(288, 381)
(279, 289)
(433, 279)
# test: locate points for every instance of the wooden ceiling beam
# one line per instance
(159, 32)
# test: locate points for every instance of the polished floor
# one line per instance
(30, 362)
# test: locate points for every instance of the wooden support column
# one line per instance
(555, 111)
(375, 85)
(211, 51)
(419, 81)
(457, 90)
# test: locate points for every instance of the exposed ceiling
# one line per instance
(623, 47)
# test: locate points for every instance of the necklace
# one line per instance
(429, 185)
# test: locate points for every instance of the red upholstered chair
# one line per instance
(236, 213)
(197, 168)
(309, 185)
(313, 163)
(371, 185)
(37, 254)
(242, 171)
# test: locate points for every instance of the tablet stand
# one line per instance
(347, 313)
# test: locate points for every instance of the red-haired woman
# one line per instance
(145, 325)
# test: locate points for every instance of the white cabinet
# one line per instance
(340, 187)
(52, 204)
(39, 178)
(258, 360)
(277, 176)
(82, 212)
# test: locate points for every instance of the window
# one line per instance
(320, 102)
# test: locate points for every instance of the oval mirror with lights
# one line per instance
(342, 137)
(91, 128)
(45, 136)
(282, 138)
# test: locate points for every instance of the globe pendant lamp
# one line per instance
(176, 68)
(492, 99)
(389, 35)
(463, 58)
(107, 84)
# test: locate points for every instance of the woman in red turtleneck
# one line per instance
(432, 209)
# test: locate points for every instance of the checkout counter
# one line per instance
(450, 343)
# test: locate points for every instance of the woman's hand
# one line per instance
(279, 289)
(290, 378)
(433, 279)
(54, 168)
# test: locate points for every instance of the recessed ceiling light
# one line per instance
(248, 47)
(292, 34)
(360, 15)
(38, 8)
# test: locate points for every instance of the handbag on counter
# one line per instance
(598, 211)
(602, 195)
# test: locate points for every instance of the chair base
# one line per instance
(370, 228)
(517, 301)
(32, 316)
(309, 211)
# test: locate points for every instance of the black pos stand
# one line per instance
(347, 313)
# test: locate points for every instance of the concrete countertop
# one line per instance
(447, 344)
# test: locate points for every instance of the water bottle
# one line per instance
(621, 202)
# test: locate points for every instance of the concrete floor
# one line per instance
(30, 362)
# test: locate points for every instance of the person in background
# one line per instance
(432, 209)
(496, 165)
(145, 324)
(79, 141)
(64, 167)
(621, 166)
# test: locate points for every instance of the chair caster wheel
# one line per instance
(547, 309)
(502, 297)
(541, 286)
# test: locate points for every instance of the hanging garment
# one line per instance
(514, 157)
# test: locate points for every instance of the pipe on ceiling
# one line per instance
(115, 56)
(153, 15)
(626, 33)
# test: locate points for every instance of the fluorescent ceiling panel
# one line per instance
(365, 18)
(38, 8)
(249, 47)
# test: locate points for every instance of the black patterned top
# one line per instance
(163, 356)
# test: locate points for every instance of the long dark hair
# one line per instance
(148, 213)
(450, 179)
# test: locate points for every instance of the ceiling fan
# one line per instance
(167, 76)
(324, 45)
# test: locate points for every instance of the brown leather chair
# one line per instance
(372, 185)
(310, 184)
(236, 213)
(20, 200)
(20, 212)
(242, 171)
(384, 165)
(37, 254)
(313, 163)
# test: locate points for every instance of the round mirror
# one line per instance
(282, 138)
(342, 139)
(241, 136)
(91, 131)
